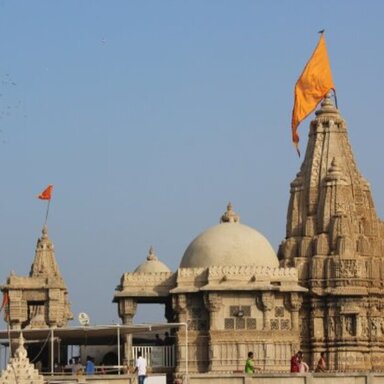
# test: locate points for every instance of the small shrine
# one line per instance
(19, 370)
(39, 300)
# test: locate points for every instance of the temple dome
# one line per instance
(229, 243)
(152, 264)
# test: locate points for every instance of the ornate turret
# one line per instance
(334, 238)
(41, 299)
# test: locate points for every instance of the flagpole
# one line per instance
(7, 319)
(46, 215)
(9, 340)
(335, 97)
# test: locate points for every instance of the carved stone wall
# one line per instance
(229, 311)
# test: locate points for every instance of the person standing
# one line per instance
(141, 368)
(77, 368)
(249, 364)
(89, 366)
(167, 339)
(303, 366)
(158, 340)
(321, 364)
(295, 362)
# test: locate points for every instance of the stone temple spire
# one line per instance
(335, 240)
(39, 300)
(44, 264)
(328, 180)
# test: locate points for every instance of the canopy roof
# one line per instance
(89, 335)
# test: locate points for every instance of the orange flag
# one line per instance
(46, 194)
(5, 300)
(314, 83)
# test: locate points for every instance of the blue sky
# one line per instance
(149, 116)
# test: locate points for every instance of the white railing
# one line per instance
(156, 356)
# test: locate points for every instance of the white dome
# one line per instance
(229, 243)
(152, 264)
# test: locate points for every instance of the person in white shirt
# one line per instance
(303, 366)
(141, 368)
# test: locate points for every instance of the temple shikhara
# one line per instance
(322, 291)
(335, 241)
(41, 299)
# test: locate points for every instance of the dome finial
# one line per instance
(230, 216)
(151, 254)
(152, 264)
(44, 231)
(327, 106)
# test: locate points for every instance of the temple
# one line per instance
(323, 291)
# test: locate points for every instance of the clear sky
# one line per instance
(149, 116)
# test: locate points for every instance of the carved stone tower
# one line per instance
(335, 240)
(41, 299)
(19, 370)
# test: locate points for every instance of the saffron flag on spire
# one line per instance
(46, 194)
(313, 84)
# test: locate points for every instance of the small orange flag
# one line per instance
(5, 300)
(314, 83)
(46, 194)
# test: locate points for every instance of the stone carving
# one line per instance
(180, 304)
(267, 301)
(364, 327)
(250, 270)
(274, 324)
(279, 311)
(19, 370)
(349, 323)
(331, 327)
(285, 324)
(349, 268)
(213, 302)
(295, 301)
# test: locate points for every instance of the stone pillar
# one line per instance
(295, 301)
(179, 305)
(213, 303)
(18, 308)
(127, 310)
(268, 303)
